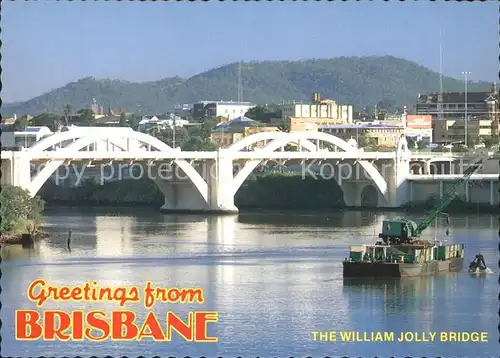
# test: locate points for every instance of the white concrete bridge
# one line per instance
(214, 187)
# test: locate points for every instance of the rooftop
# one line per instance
(456, 97)
(360, 126)
(232, 103)
(36, 129)
(237, 123)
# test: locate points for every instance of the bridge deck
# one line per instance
(257, 154)
(451, 177)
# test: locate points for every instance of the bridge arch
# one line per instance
(280, 139)
(84, 139)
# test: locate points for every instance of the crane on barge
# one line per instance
(401, 231)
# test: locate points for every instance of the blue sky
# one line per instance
(47, 44)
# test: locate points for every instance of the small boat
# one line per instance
(478, 266)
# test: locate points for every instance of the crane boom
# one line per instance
(447, 198)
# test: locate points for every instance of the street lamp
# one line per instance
(465, 74)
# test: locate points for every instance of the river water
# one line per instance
(274, 278)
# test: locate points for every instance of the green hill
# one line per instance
(362, 81)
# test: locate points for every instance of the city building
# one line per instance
(227, 133)
(380, 135)
(450, 131)
(227, 109)
(310, 116)
(480, 105)
(161, 122)
(24, 139)
(418, 127)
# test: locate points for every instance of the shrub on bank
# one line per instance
(19, 212)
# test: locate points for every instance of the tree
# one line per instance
(86, 115)
(20, 124)
(167, 136)
(284, 125)
(123, 120)
(18, 210)
(387, 104)
(412, 142)
(67, 112)
(134, 121)
(490, 141)
(263, 114)
(50, 120)
(197, 143)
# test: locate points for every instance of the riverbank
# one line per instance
(284, 192)
(16, 239)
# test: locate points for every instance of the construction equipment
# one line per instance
(447, 198)
(397, 231)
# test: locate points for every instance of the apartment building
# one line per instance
(480, 105)
(226, 109)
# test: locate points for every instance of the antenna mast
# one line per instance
(240, 92)
(440, 96)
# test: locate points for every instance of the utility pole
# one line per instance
(177, 106)
(440, 96)
(240, 91)
(465, 73)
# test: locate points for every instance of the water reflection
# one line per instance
(283, 273)
(393, 296)
(311, 219)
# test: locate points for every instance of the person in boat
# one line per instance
(478, 262)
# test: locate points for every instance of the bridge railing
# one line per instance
(474, 154)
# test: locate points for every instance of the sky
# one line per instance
(47, 44)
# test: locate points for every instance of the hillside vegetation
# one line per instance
(362, 81)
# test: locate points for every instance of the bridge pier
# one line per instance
(219, 180)
(16, 170)
(214, 197)
(181, 196)
(398, 188)
(352, 191)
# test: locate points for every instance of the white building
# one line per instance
(161, 122)
(24, 139)
(227, 109)
(119, 135)
(326, 110)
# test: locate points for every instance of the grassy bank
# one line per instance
(272, 191)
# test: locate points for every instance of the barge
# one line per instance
(402, 253)
(406, 260)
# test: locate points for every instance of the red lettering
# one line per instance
(151, 323)
(124, 320)
(185, 330)
(97, 320)
(77, 326)
(201, 320)
(27, 325)
(51, 331)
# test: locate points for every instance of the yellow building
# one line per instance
(310, 116)
(301, 124)
(227, 133)
(367, 134)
